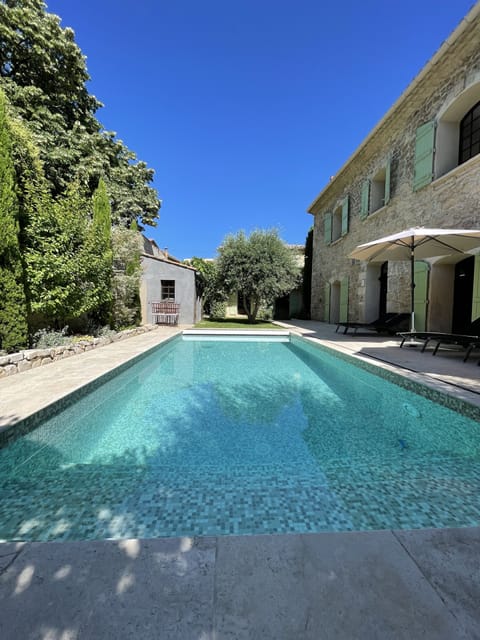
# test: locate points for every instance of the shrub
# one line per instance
(218, 310)
(45, 338)
(105, 332)
(265, 313)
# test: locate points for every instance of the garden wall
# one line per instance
(32, 358)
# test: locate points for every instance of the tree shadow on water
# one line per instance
(155, 488)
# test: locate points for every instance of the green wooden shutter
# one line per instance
(420, 301)
(365, 201)
(386, 198)
(327, 228)
(345, 215)
(326, 303)
(343, 316)
(476, 290)
(424, 150)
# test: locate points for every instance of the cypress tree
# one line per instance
(102, 244)
(13, 307)
(307, 274)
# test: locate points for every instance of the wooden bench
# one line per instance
(165, 312)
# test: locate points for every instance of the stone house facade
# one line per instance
(420, 166)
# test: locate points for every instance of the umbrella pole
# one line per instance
(412, 342)
(412, 287)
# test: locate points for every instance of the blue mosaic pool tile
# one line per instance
(22, 427)
(450, 401)
(110, 503)
(291, 452)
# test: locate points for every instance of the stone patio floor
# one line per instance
(381, 584)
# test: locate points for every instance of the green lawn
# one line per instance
(234, 323)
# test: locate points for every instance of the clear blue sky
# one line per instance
(245, 108)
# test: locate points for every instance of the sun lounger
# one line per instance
(452, 339)
(417, 336)
(388, 323)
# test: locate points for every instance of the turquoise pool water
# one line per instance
(211, 437)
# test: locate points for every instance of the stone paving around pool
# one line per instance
(385, 585)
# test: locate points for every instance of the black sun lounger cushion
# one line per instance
(388, 323)
(467, 342)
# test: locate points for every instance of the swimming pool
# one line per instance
(255, 435)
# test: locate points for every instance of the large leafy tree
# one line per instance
(260, 266)
(13, 309)
(44, 74)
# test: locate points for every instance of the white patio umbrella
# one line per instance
(418, 243)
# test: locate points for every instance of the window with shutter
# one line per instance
(476, 290)
(470, 134)
(380, 188)
(345, 206)
(327, 228)
(343, 315)
(365, 201)
(326, 303)
(420, 299)
(424, 152)
(386, 198)
(340, 219)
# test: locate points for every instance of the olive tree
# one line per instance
(260, 266)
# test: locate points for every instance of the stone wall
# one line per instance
(450, 200)
(32, 358)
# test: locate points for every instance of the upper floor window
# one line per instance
(454, 136)
(336, 223)
(375, 192)
(470, 134)
(379, 189)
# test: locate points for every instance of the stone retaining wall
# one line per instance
(32, 358)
